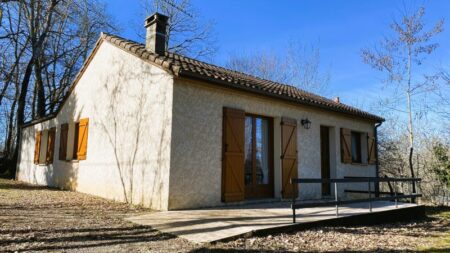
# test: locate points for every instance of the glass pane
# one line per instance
(248, 150)
(262, 151)
(356, 147)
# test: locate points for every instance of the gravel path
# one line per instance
(38, 219)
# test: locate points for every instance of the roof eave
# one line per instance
(196, 76)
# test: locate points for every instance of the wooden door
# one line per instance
(289, 158)
(325, 159)
(233, 188)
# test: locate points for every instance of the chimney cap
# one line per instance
(156, 17)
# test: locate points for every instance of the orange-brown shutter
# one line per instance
(289, 157)
(37, 147)
(346, 145)
(83, 126)
(233, 188)
(371, 149)
(50, 145)
(63, 141)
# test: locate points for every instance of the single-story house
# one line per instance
(165, 131)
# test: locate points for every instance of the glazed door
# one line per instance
(258, 153)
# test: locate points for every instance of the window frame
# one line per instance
(73, 135)
(66, 129)
(358, 147)
(43, 147)
(256, 188)
(76, 132)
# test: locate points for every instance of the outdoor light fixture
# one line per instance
(306, 123)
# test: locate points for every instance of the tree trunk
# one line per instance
(410, 122)
(21, 108)
(10, 135)
(411, 168)
(40, 110)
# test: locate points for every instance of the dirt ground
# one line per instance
(38, 219)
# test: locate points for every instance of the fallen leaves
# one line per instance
(35, 218)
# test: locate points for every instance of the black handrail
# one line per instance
(337, 202)
(351, 180)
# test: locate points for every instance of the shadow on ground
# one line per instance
(84, 238)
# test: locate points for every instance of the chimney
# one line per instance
(337, 100)
(156, 37)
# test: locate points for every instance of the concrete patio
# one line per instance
(216, 224)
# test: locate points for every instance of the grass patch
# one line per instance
(440, 242)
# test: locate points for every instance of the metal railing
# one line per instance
(336, 202)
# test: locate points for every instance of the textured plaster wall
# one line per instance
(196, 152)
(129, 106)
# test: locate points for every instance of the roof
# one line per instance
(182, 66)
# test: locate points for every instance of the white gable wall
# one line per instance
(128, 103)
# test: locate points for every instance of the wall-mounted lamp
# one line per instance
(306, 123)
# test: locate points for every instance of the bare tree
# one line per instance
(442, 103)
(299, 65)
(187, 33)
(446, 76)
(401, 58)
(44, 43)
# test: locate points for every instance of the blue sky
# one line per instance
(339, 28)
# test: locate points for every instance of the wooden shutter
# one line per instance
(289, 157)
(83, 126)
(50, 146)
(37, 147)
(63, 141)
(346, 145)
(233, 188)
(371, 149)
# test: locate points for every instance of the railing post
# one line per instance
(336, 198)
(395, 194)
(370, 197)
(293, 201)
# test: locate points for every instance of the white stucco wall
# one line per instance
(196, 152)
(128, 103)
(160, 143)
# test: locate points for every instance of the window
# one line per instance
(256, 150)
(73, 141)
(44, 146)
(356, 147)
(63, 142)
(258, 155)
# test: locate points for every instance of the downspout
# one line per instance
(377, 163)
